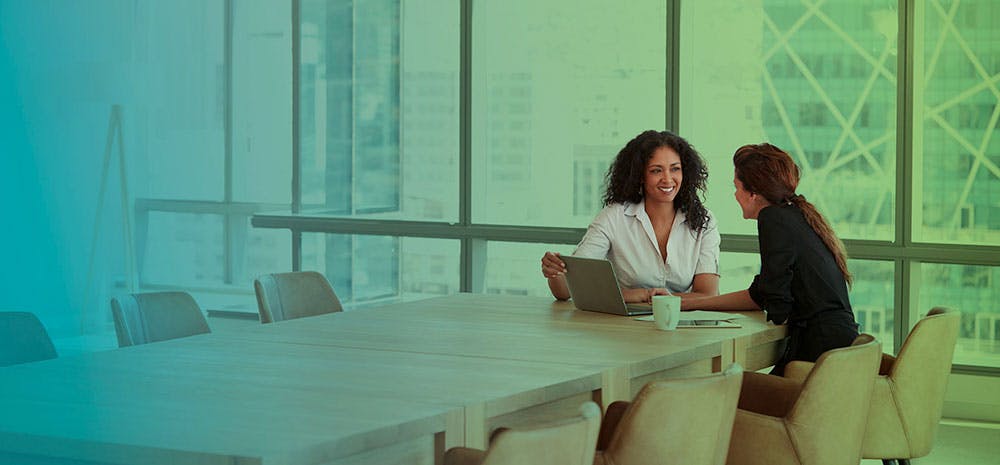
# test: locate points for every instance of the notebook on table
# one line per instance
(593, 286)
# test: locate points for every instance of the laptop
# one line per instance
(593, 287)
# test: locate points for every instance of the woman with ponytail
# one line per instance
(803, 276)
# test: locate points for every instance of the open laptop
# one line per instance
(593, 286)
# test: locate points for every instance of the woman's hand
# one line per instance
(642, 295)
(552, 265)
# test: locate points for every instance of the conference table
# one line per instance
(394, 384)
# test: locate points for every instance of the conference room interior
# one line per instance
(414, 149)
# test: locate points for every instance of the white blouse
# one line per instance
(623, 234)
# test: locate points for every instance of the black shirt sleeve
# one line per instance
(772, 288)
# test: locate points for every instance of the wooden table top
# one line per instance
(513, 327)
(308, 390)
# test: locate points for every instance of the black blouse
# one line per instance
(799, 278)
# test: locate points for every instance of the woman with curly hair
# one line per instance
(803, 267)
(653, 228)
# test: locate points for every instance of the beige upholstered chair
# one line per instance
(678, 421)
(568, 442)
(23, 339)
(284, 296)
(156, 316)
(909, 390)
(816, 421)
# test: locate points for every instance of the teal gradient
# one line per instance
(64, 64)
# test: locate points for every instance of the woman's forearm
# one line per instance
(733, 301)
(704, 285)
(694, 294)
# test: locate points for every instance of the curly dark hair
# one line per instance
(625, 176)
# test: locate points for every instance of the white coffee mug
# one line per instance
(666, 311)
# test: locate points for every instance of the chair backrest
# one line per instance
(156, 316)
(285, 296)
(920, 375)
(681, 421)
(827, 422)
(569, 442)
(23, 339)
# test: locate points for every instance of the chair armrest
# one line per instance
(768, 395)
(760, 439)
(495, 433)
(612, 416)
(798, 370)
(464, 456)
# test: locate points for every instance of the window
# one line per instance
(558, 86)
(515, 268)
(371, 269)
(378, 108)
(214, 147)
(971, 291)
(787, 61)
(956, 172)
(824, 77)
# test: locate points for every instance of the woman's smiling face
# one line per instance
(663, 177)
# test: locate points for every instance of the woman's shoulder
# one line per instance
(616, 209)
(783, 214)
(778, 211)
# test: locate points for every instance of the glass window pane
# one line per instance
(558, 87)
(379, 88)
(957, 149)
(182, 249)
(262, 102)
(260, 251)
(515, 268)
(974, 291)
(818, 82)
(372, 269)
(873, 299)
(736, 270)
(178, 120)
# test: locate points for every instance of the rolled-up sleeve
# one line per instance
(771, 289)
(708, 254)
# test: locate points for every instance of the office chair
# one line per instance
(568, 442)
(909, 390)
(677, 421)
(156, 316)
(23, 339)
(285, 296)
(816, 421)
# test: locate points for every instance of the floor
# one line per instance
(961, 443)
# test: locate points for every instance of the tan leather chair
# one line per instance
(816, 421)
(677, 421)
(909, 390)
(284, 296)
(568, 442)
(23, 339)
(156, 316)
